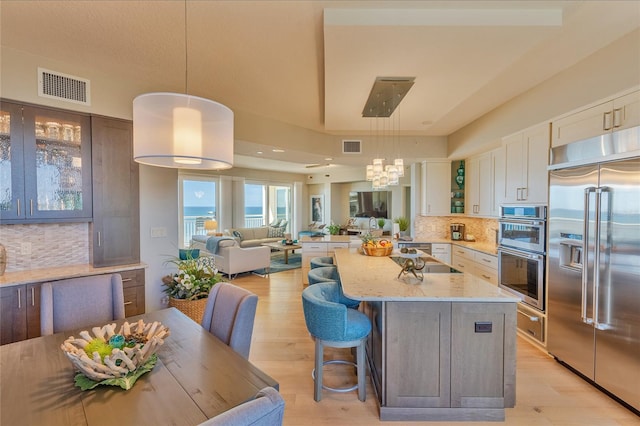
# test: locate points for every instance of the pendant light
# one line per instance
(178, 130)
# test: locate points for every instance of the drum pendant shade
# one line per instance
(182, 131)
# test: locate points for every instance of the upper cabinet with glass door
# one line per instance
(45, 165)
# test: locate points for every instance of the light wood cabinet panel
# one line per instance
(116, 221)
(418, 336)
(483, 362)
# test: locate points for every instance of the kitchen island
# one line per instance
(443, 348)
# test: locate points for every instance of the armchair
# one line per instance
(232, 259)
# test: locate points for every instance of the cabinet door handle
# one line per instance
(33, 296)
(99, 239)
(19, 299)
(30, 207)
(485, 277)
(606, 121)
(18, 207)
(128, 303)
(617, 117)
(124, 280)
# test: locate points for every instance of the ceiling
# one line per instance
(311, 64)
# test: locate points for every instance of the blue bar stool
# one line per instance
(333, 324)
(329, 274)
(320, 261)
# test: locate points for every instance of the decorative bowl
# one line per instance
(116, 355)
(377, 251)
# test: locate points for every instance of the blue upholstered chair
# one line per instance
(329, 274)
(333, 324)
(230, 314)
(321, 261)
(80, 302)
(267, 409)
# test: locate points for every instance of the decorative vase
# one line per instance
(3, 259)
(460, 177)
(185, 254)
(194, 309)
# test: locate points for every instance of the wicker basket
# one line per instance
(377, 251)
(194, 309)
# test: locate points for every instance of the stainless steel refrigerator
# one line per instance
(594, 263)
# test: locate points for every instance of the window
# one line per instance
(265, 204)
(198, 200)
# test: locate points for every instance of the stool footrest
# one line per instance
(336, 361)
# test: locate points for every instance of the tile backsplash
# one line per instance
(36, 246)
(483, 229)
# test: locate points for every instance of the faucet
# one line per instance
(374, 222)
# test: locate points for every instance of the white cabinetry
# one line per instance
(442, 252)
(526, 159)
(436, 195)
(476, 263)
(311, 249)
(617, 114)
(485, 183)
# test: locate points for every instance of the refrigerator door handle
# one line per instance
(585, 252)
(596, 279)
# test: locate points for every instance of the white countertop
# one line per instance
(62, 272)
(327, 239)
(375, 278)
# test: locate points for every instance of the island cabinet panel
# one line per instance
(482, 361)
(418, 363)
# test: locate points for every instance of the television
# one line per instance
(369, 204)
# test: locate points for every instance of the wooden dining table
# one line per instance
(196, 377)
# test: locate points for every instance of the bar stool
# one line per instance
(321, 261)
(329, 274)
(332, 324)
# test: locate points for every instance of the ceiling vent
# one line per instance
(351, 147)
(55, 85)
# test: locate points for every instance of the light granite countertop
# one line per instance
(62, 272)
(489, 248)
(375, 278)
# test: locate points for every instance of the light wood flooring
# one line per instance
(547, 393)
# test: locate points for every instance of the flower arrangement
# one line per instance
(194, 279)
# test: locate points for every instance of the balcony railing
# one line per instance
(194, 225)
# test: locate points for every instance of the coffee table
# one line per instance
(283, 247)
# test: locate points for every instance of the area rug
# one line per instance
(278, 265)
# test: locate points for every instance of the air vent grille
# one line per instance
(55, 85)
(351, 147)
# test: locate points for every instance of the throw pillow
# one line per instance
(283, 223)
(237, 234)
(275, 232)
(275, 223)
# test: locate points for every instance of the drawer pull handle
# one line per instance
(127, 303)
(19, 301)
(124, 280)
(486, 260)
(33, 296)
(486, 277)
(531, 318)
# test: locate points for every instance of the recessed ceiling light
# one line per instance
(259, 152)
(328, 159)
(427, 122)
(277, 150)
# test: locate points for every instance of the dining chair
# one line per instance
(229, 315)
(80, 302)
(332, 324)
(266, 409)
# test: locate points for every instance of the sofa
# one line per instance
(254, 237)
(230, 258)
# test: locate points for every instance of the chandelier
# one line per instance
(384, 98)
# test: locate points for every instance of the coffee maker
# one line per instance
(457, 231)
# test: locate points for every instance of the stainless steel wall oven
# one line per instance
(521, 252)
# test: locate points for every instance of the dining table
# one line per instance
(196, 377)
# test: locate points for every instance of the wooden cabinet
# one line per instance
(45, 165)
(436, 195)
(447, 355)
(476, 263)
(19, 313)
(526, 160)
(115, 231)
(612, 115)
(133, 287)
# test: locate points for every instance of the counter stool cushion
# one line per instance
(333, 324)
(320, 261)
(349, 303)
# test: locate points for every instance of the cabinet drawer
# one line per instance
(463, 252)
(532, 324)
(331, 247)
(488, 274)
(133, 301)
(486, 260)
(462, 264)
(132, 278)
(440, 249)
(314, 247)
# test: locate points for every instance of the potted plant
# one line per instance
(403, 224)
(333, 229)
(381, 223)
(189, 287)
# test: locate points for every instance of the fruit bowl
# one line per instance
(377, 251)
(109, 355)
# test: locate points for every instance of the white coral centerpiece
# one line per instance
(117, 353)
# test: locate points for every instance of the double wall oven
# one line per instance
(521, 252)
